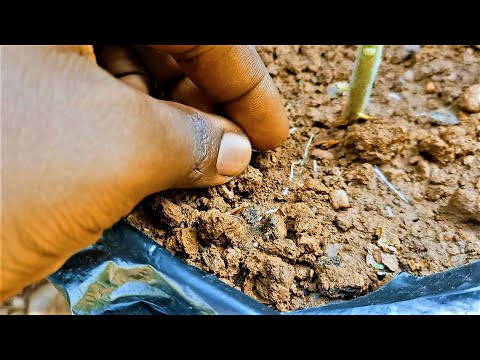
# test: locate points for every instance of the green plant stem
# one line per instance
(365, 68)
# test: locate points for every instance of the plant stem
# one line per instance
(365, 68)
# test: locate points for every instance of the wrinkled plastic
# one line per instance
(126, 272)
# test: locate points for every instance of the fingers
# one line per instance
(187, 93)
(236, 77)
(161, 65)
(124, 64)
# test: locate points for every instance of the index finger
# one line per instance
(235, 76)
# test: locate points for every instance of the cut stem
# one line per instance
(365, 68)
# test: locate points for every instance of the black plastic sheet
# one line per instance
(126, 272)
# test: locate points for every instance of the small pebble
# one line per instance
(465, 204)
(17, 303)
(408, 75)
(443, 117)
(389, 212)
(470, 99)
(430, 87)
(395, 95)
(390, 261)
(381, 274)
(469, 160)
(332, 250)
(339, 199)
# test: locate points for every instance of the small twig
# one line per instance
(315, 168)
(271, 211)
(291, 168)
(305, 154)
(330, 142)
(237, 209)
(389, 184)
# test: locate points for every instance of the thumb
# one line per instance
(189, 148)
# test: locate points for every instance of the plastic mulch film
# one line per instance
(126, 272)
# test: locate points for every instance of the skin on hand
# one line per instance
(81, 148)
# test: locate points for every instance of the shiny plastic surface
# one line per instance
(126, 272)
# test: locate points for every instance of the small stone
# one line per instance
(339, 199)
(430, 87)
(332, 250)
(390, 261)
(465, 204)
(408, 75)
(444, 117)
(17, 303)
(469, 160)
(470, 99)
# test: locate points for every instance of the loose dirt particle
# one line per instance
(465, 204)
(470, 100)
(339, 199)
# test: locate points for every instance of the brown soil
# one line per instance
(323, 244)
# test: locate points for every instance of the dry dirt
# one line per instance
(341, 232)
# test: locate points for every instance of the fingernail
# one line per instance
(234, 154)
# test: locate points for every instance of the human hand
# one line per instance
(80, 149)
